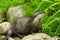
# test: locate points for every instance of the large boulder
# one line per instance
(38, 36)
(14, 13)
(35, 36)
(4, 27)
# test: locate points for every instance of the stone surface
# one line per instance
(17, 38)
(14, 12)
(10, 38)
(4, 27)
(2, 38)
(56, 38)
(35, 36)
(38, 36)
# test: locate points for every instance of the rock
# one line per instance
(17, 38)
(9, 38)
(14, 12)
(2, 38)
(56, 38)
(37, 36)
(4, 27)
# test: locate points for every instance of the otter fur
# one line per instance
(26, 25)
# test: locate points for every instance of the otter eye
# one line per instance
(35, 15)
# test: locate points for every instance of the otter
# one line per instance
(26, 25)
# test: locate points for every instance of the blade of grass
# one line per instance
(52, 16)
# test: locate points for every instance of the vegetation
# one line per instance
(51, 9)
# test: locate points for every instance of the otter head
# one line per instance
(37, 16)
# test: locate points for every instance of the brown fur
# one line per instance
(24, 26)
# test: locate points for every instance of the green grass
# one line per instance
(51, 9)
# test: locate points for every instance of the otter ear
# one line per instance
(38, 13)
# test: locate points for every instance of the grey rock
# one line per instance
(17, 38)
(35, 36)
(9, 38)
(4, 27)
(14, 13)
(2, 38)
(38, 36)
(56, 38)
